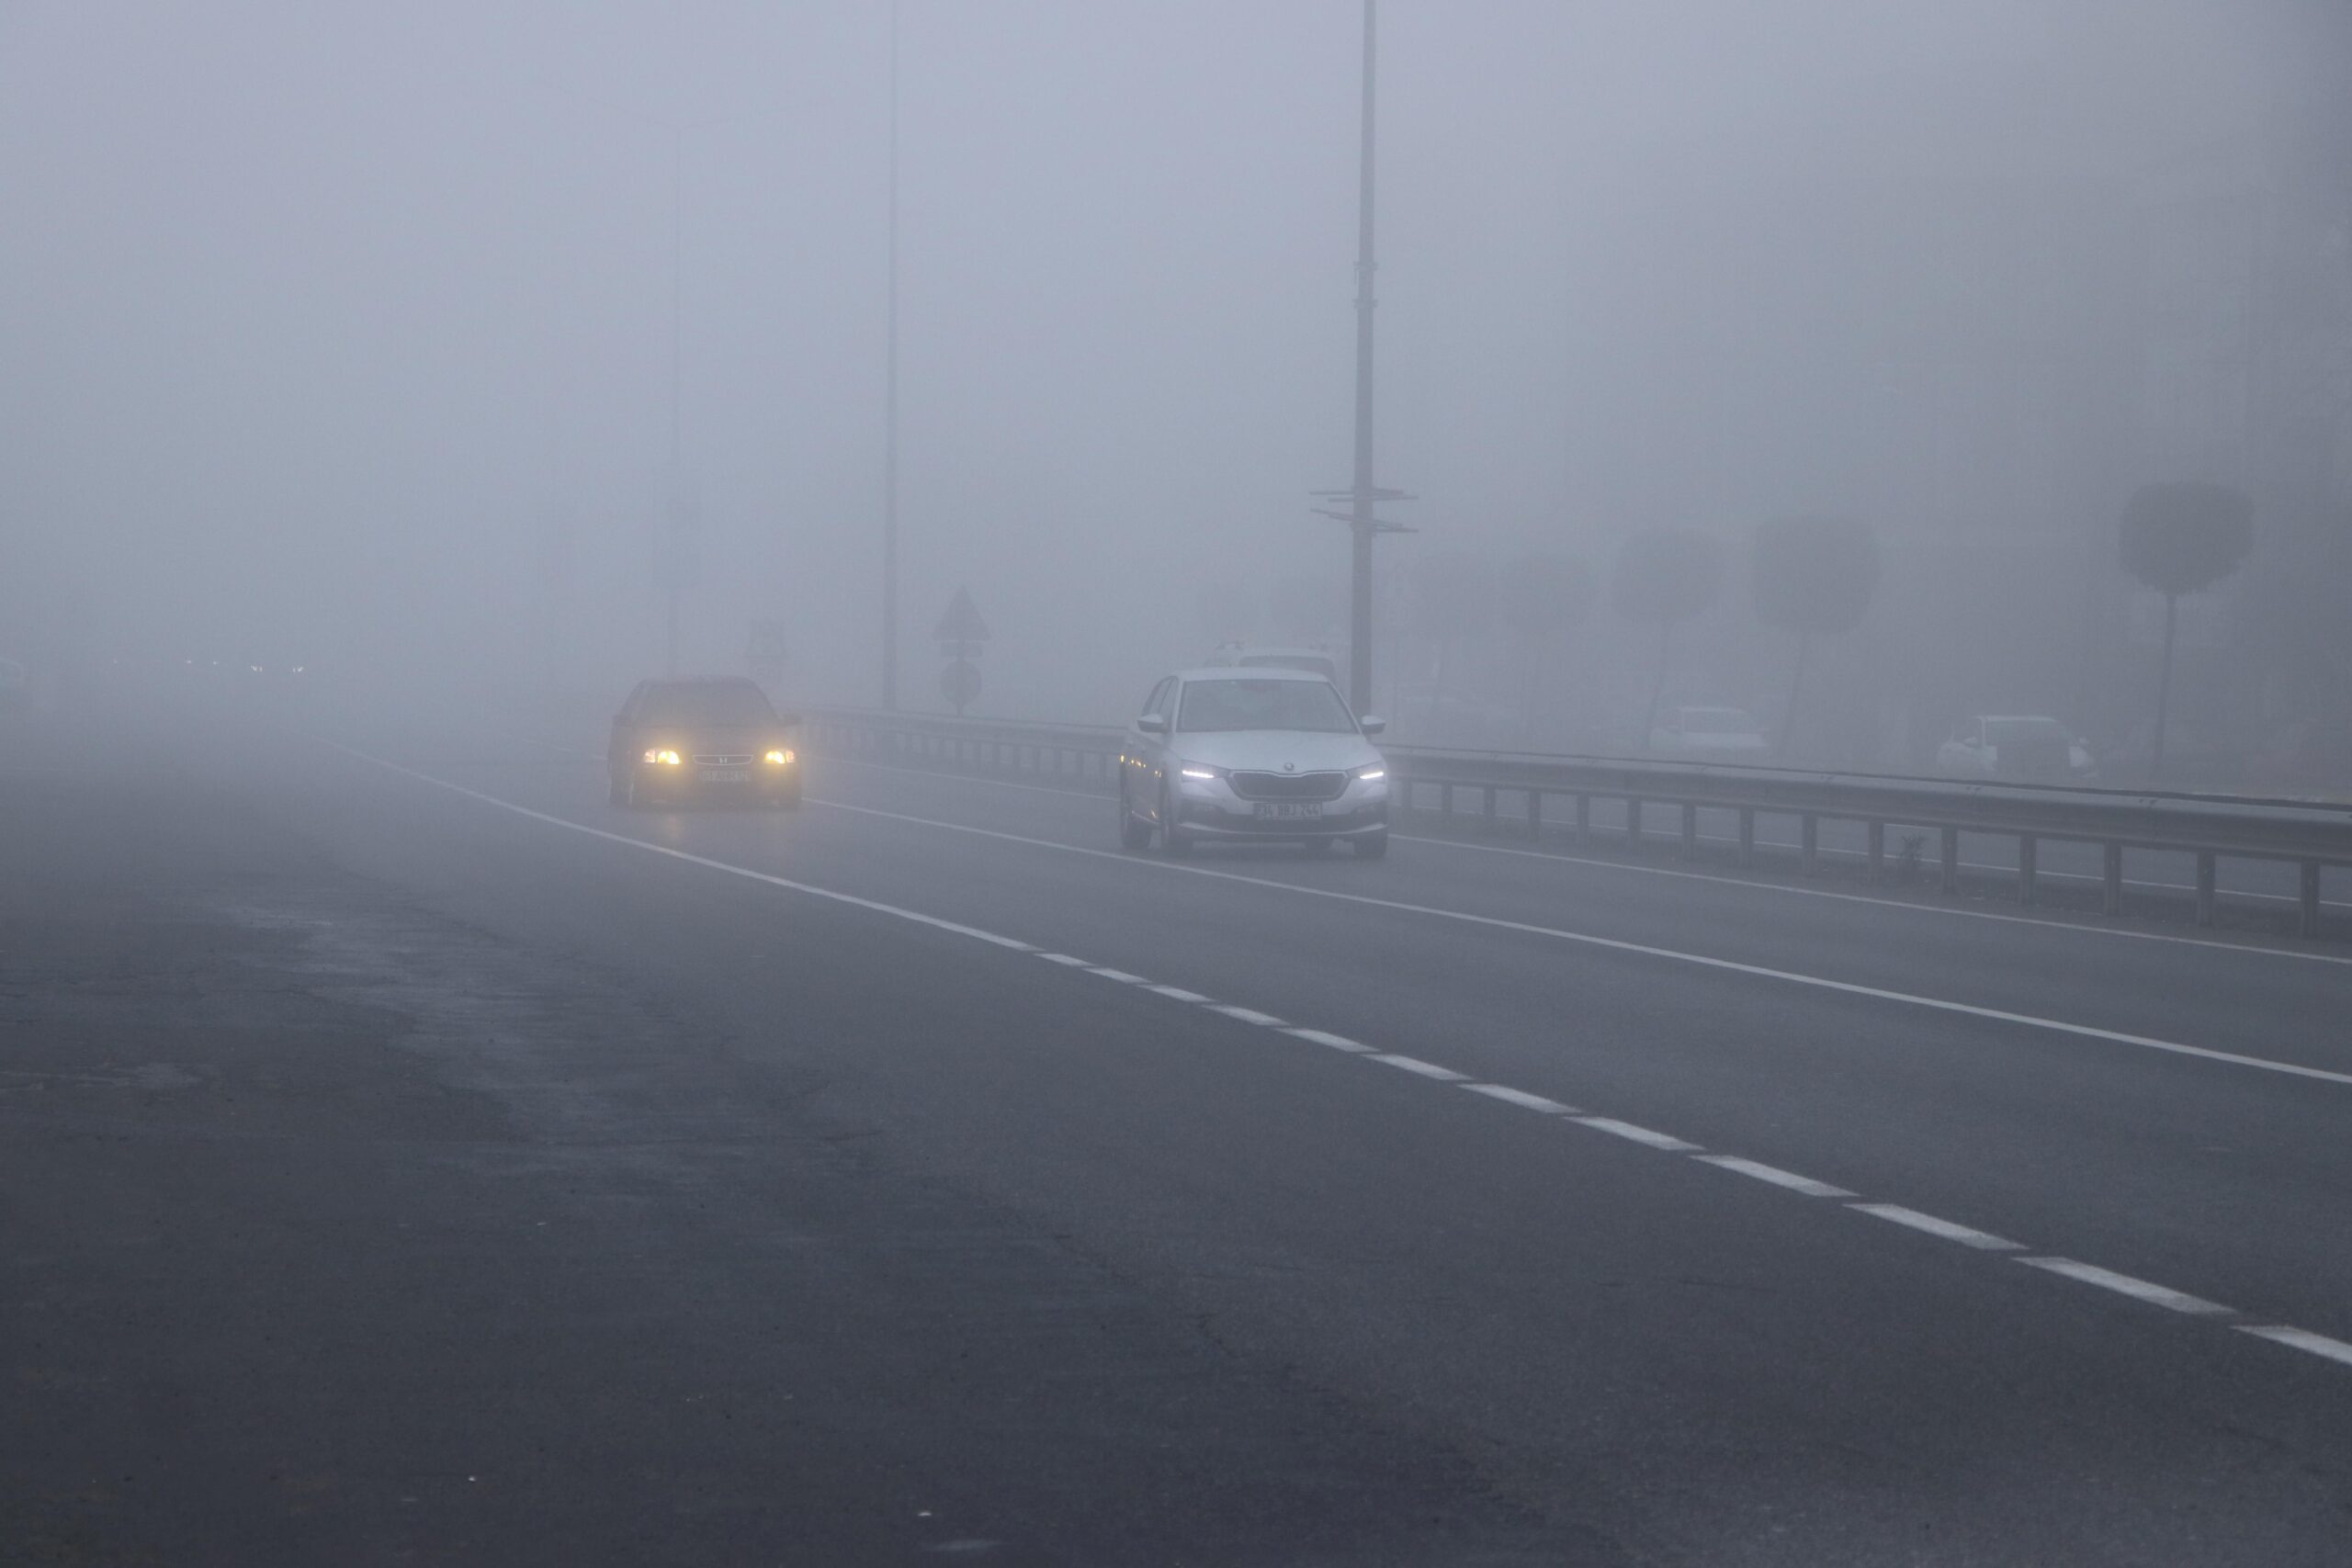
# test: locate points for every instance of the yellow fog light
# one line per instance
(663, 756)
(780, 756)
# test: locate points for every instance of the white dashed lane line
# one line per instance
(2318, 1345)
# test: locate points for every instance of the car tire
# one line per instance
(1134, 833)
(1372, 846)
(1174, 843)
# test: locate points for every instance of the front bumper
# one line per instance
(1209, 808)
(766, 781)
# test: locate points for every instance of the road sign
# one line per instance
(962, 626)
(960, 685)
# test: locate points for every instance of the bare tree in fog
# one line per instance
(2182, 538)
(1545, 599)
(1813, 576)
(1665, 575)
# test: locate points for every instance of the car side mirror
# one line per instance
(1152, 724)
(1371, 724)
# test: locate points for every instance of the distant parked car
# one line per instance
(1709, 735)
(1241, 656)
(2028, 749)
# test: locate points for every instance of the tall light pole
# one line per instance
(673, 564)
(890, 411)
(1363, 496)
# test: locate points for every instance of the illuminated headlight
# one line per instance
(780, 756)
(1372, 775)
(662, 757)
(1205, 775)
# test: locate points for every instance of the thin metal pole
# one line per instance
(1361, 518)
(673, 566)
(890, 413)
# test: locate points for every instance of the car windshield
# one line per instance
(1717, 721)
(2020, 731)
(1264, 704)
(1323, 667)
(714, 702)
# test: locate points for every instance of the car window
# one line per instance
(1240, 704)
(706, 702)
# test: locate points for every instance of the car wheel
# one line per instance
(1372, 846)
(1174, 841)
(1134, 833)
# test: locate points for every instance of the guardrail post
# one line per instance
(2308, 925)
(1490, 808)
(2029, 863)
(2110, 899)
(1632, 823)
(1951, 860)
(2204, 887)
(1748, 835)
(1690, 832)
(1535, 813)
(1584, 820)
(1811, 859)
(1878, 851)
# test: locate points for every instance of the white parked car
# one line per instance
(2027, 748)
(1709, 735)
(1239, 754)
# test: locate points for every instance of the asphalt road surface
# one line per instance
(407, 1158)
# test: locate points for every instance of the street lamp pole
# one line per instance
(890, 411)
(1363, 496)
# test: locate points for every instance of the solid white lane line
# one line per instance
(1336, 1042)
(1520, 1098)
(2297, 1338)
(2045, 922)
(1638, 1134)
(1176, 993)
(1616, 944)
(1775, 1175)
(1119, 975)
(915, 917)
(2301, 1339)
(2138, 1290)
(1964, 1234)
(1415, 1065)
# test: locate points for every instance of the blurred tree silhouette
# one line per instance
(1665, 575)
(2180, 538)
(1813, 576)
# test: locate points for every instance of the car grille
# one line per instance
(722, 760)
(1290, 786)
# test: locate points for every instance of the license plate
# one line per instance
(726, 775)
(1288, 810)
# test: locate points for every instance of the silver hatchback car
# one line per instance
(1252, 754)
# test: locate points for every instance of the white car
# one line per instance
(1263, 753)
(1715, 735)
(2013, 745)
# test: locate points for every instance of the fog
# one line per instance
(352, 336)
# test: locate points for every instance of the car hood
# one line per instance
(1275, 750)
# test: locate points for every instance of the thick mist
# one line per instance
(387, 341)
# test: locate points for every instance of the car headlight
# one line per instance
(661, 756)
(780, 756)
(1372, 774)
(1205, 775)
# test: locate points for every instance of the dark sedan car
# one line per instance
(716, 740)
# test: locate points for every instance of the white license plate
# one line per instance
(1288, 810)
(726, 775)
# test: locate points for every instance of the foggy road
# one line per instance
(918, 1169)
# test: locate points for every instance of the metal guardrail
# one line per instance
(2208, 827)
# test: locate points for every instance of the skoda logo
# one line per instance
(1289, 767)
